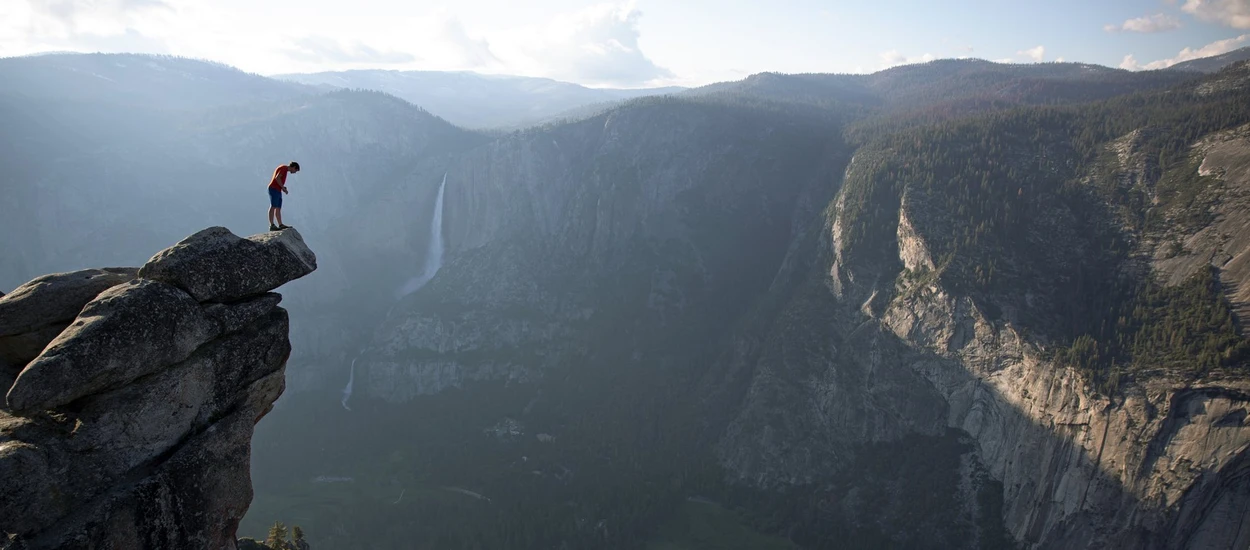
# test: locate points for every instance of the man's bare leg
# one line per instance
(271, 209)
(278, 212)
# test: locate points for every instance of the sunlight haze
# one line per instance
(632, 43)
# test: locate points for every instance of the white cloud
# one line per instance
(472, 52)
(96, 16)
(894, 58)
(1158, 22)
(1230, 13)
(28, 26)
(597, 45)
(1059, 59)
(1215, 48)
(1036, 54)
(321, 50)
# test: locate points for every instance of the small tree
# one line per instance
(277, 536)
(297, 538)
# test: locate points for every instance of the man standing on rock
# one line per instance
(277, 186)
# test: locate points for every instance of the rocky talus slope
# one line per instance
(132, 394)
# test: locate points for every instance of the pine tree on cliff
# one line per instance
(277, 536)
(297, 538)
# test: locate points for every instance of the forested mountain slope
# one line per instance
(1214, 63)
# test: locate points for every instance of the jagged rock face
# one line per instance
(851, 388)
(1079, 469)
(425, 349)
(133, 428)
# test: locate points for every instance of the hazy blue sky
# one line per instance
(629, 43)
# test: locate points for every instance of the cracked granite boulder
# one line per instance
(133, 427)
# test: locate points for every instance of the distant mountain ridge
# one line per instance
(1214, 63)
(952, 85)
(151, 81)
(474, 100)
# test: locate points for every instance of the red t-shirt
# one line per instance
(279, 178)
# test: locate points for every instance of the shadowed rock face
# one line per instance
(56, 298)
(133, 428)
(36, 312)
(126, 332)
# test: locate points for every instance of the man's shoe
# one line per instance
(284, 226)
(273, 227)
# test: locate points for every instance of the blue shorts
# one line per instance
(275, 197)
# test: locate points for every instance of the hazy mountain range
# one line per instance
(475, 100)
(959, 304)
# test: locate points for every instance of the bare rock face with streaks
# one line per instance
(1162, 463)
(132, 427)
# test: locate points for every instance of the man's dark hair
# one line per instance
(294, 165)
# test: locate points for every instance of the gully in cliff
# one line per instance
(277, 187)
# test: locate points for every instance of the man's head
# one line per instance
(293, 167)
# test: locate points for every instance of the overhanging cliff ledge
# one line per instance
(131, 394)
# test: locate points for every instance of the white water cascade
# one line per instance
(351, 380)
(433, 262)
(434, 255)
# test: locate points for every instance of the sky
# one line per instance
(629, 43)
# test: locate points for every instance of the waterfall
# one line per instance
(351, 380)
(433, 262)
(434, 255)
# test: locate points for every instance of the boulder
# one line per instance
(133, 427)
(189, 394)
(192, 499)
(56, 298)
(27, 476)
(36, 312)
(123, 430)
(215, 265)
(128, 331)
